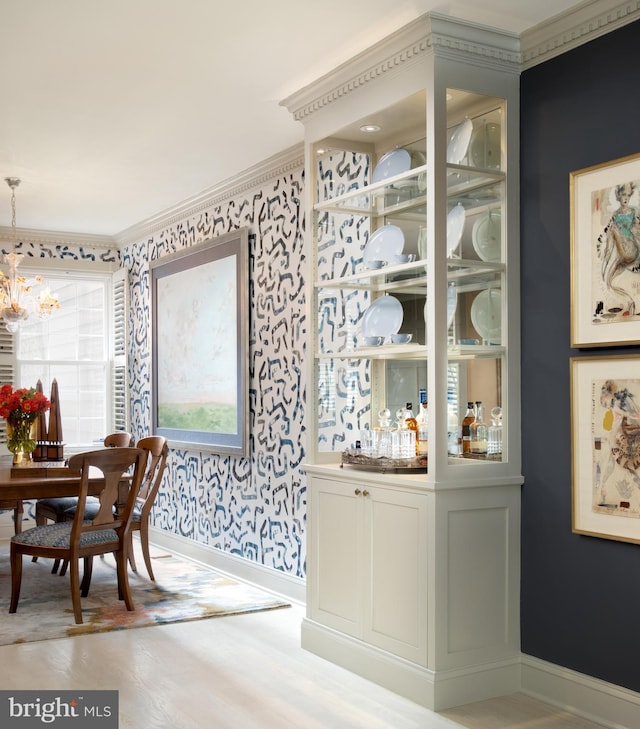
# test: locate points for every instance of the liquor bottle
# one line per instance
(469, 417)
(478, 433)
(453, 446)
(412, 424)
(405, 435)
(422, 434)
(494, 446)
(384, 426)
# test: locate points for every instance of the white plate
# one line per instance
(455, 226)
(486, 234)
(486, 315)
(383, 318)
(392, 164)
(484, 150)
(452, 303)
(459, 142)
(383, 244)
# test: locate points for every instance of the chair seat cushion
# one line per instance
(91, 510)
(58, 535)
(59, 505)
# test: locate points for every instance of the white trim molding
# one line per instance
(54, 238)
(598, 701)
(272, 580)
(576, 26)
(289, 160)
(430, 33)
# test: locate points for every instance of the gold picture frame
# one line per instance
(605, 254)
(605, 447)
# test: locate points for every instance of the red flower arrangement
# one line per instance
(20, 408)
(24, 403)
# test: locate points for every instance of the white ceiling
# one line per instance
(114, 111)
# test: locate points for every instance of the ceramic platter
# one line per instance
(486, 315)
(392, 164)
(383, 318)
(486, 235)
(484, 149)
(455, 226)
(383, 245)
(459, 142)
(452, 303)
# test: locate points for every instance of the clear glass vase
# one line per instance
(21, 440)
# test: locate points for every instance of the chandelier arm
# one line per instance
(14, 307)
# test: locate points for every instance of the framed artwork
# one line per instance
(605, 254)
(200, 345)
(605, 447)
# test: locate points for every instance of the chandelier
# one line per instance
(19, 296)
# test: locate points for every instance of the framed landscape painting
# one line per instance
(605, 254)
(200, 323)
(605, 446)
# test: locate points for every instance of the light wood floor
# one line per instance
(240, 672)
(516, 711)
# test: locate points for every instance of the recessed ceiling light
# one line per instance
(369, 128)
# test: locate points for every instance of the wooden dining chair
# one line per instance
(157, 450)
(83, 539)
(53, 509)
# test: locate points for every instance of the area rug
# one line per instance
(183, 590)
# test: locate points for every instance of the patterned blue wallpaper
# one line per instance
(253, 508)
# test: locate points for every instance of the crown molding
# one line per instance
(431, 33)
(54, 238)
(576, 26)
(280, 164)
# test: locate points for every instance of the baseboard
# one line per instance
(287, 586)
(601, 702)
(435, 690)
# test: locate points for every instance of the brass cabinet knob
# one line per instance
(365, 493)
(357, 492)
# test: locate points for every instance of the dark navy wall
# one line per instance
(580, 595)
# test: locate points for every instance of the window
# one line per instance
(82, 346)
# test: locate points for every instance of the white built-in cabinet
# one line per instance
(362, 533)
(413, 576)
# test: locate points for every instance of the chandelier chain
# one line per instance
(13, 208)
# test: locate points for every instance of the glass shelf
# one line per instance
(412, 277)
(406, 191)
(455, 352)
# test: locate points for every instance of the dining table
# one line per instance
(49, 479)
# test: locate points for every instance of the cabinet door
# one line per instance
(334, 571)
(396, 609)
